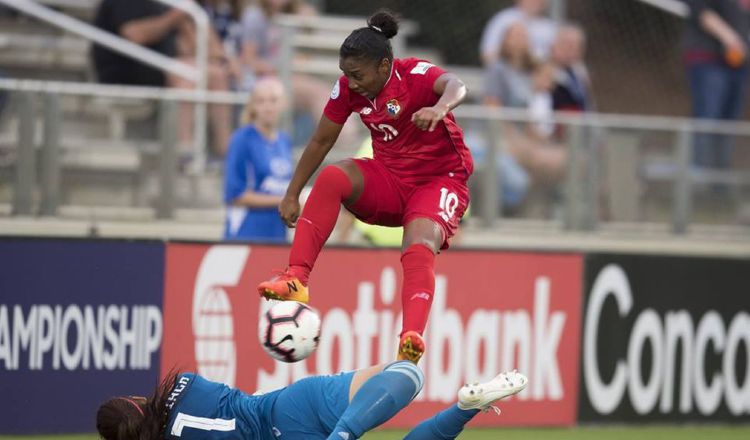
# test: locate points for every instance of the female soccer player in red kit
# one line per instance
(417, 178)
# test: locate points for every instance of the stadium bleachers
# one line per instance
(104, 148)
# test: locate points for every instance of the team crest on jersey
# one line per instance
(393, 108)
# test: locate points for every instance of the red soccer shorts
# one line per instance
(387, 200)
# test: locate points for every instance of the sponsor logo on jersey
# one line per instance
(421, 68)
(365, 111)
(335, 91)
(393, 108)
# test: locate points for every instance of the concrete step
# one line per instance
(40, 51)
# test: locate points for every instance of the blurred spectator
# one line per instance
(170, 32)
(573, 85)
(261, 45)
(716, 49)
(539, 151)
(258, 168)
(507, 81)
(6, 11)
(143, 22)
(261, 37)
(516, 80)
(222, 68)
(530, 12)
(541, 127)
(225, 19)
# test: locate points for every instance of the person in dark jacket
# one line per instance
(715, 51)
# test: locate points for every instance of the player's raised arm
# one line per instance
(452, 92)
(317, 149)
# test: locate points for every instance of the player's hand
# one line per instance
(289, 210)
(427, 118)
(734, 49)
(735, 54)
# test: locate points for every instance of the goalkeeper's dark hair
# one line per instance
(373, 41)
(121, 418)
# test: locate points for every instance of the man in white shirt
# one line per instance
(541, 29)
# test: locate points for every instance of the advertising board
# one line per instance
(492, 311)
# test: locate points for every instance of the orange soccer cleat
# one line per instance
(284, 287)
(411, 347)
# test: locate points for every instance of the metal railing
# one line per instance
(47, 162)
(588, 137)
(674, 7)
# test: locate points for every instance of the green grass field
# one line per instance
(657, 433)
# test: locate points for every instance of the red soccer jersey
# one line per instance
(408, 152)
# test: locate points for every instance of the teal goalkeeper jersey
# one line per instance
(201, 409)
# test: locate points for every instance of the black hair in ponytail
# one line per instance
(372, 42)
(122, 418)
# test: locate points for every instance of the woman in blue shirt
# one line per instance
(258, 168)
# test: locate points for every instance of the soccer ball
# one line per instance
(289, 331)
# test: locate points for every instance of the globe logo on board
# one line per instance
(213, 328)
(213, 323)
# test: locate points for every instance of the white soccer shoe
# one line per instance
(483, 395)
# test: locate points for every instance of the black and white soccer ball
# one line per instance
(289, 331)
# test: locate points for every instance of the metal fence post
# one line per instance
(558, 11)
(682, 208)
(200, 109)
(50, 156)
(592, 187)
(573, 193)
(286, 56)
(491, 186)
(165, 204)
(26, 156)
(200, 134)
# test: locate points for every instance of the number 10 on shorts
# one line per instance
(448, 204)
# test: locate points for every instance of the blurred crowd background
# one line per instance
(627, 75)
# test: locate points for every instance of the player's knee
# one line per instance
(422, 231)
(331, 173)
(353, 172)
(409, 371)
(333, 179)
(432, 244)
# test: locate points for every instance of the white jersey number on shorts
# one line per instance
(448, 204)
